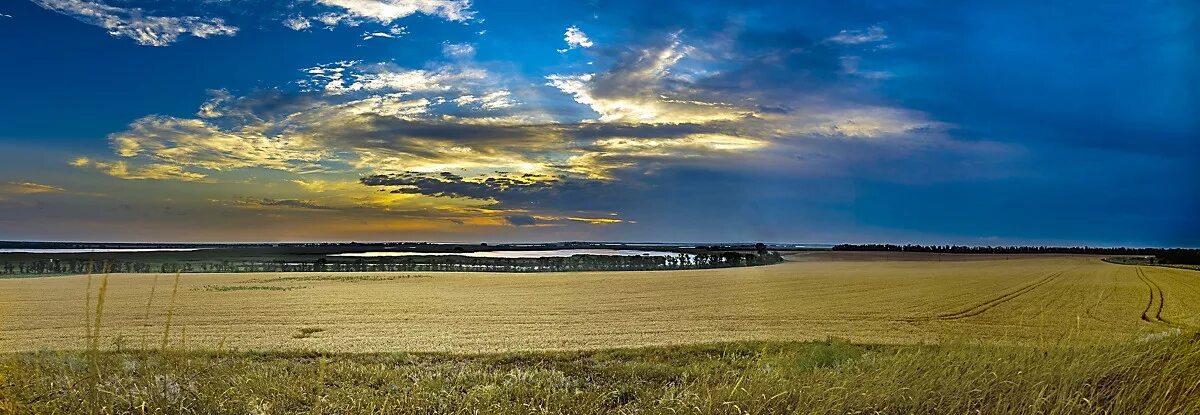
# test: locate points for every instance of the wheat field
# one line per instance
(866, 298)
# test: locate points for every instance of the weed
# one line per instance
(306, 332)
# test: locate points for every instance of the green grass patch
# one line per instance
(1161, 377)
(1147, 261)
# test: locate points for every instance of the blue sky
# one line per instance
(282, 120)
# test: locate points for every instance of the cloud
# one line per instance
(198, 143)
(28, 188)
(596, 221)
(490, 101)
(463, 141)
(153, 171)
(854, 37)
(387, 11)
(521, 220)
(458, 50)
(285, 203)
(850, 66)
(392, 33)
(297, 23)
(656, 111)
(641, 88)
(137, 24)
(575, 38)
(446, 184)
(349, 76)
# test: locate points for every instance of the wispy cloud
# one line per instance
(641, 88)
(458, 50)
(391, 33)
(285, 203)
(137, 24)
(297, 23)
(855, 37)
(153, 171)
(28, 188)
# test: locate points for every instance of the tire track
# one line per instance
(1155, 298)
(989, 304)
(1154, 306)
(1178, 285)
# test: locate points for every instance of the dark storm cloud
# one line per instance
(290, 203)
(521, 220)
(511, 191)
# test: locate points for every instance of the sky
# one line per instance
(989, 123)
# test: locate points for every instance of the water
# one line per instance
(89, 250)
(556, 253)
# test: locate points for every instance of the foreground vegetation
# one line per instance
(1155, 377)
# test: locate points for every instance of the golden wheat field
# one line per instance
(867, 298)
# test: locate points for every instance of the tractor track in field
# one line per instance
(1154, 305)
(987, 305)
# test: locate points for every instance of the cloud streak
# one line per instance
(134, 23)
(25, 188)
(855, 37)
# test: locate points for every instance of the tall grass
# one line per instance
(1161, 377)
(100, 296)
(93, 349)
(87, 309)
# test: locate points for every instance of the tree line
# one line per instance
(1162, 255)
(402, 264)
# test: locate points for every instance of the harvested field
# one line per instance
(889, 299)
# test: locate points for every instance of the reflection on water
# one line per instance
(518, 254)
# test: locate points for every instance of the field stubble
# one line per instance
(1018, 300)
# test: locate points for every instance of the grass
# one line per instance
(1147, 261)
(826, 377)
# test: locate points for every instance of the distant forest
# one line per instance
(1162, 255)
(51, 266)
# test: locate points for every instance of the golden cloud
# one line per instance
(28, 188)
